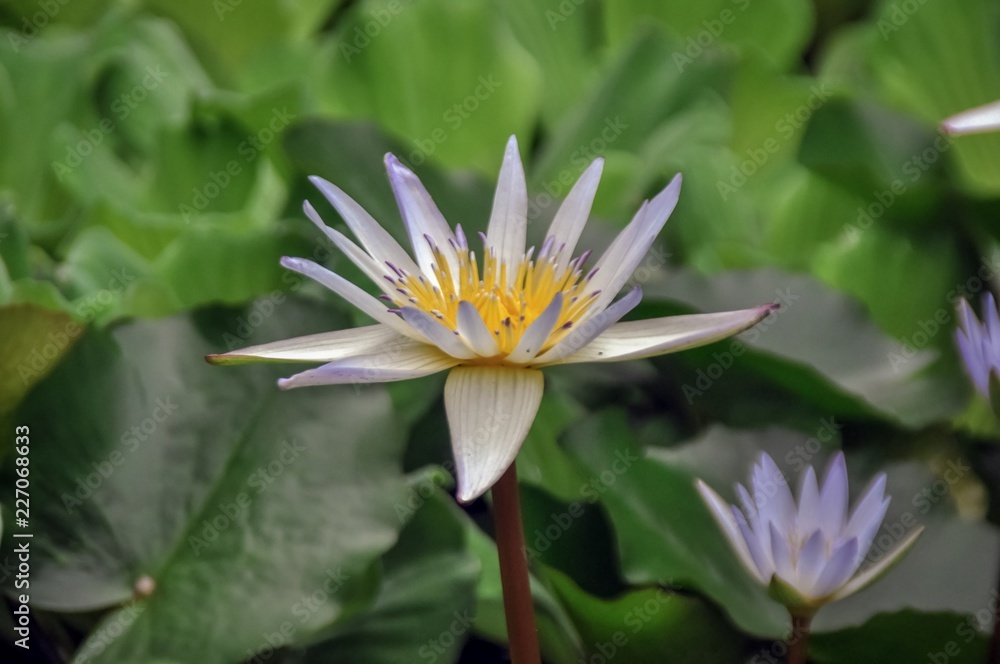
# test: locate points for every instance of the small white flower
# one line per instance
(977, 120)
(807, 554)
(492, 329)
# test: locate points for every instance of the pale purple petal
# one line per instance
(375, 271)
(590, 329)
(403, 361)
(809, 505)
(441, 336)
(782, 555)
(570, 219)
(812, 559)
(474, 332)
(833, 497)
(535, 336)
(838, 571)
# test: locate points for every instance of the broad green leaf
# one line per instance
(254, 490)
(779, 29)
(930, 637)
(642, 625)
(387, 63)
(425, 601)
(665, 534)
(33, 340)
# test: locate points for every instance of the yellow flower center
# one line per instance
(507, 310)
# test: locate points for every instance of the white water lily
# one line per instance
(977, 120)
(493, 329)
(810, 553)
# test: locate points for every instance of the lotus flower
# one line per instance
(493, 328)
(979, 343)
(807, 554)
(977, 120)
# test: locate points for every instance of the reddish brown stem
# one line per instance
(518, 607)
(798, 642)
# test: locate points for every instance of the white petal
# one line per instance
(375, 239)
(591, 328)
(322, 347)
(722, 513)
(572, 215)
(490, 410)
(880, 568)
(656, 336)
(975, 120)
(841, 566)
(626, 251)
(759, 547)
(422, 218)
(368, 265)
(351, 293)
(403, 361)
(441, 336)
(509, 219)
(534, 337)
(833, 497)
(474, 331)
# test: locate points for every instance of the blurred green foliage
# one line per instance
(152, 171)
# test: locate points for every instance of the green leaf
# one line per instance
(640, 626)
(32, 342)
(387, 63)
(933, 637)
(425, 601)
(665, 533)
(254, 490)
(779, 29)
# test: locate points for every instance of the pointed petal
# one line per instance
(351, 293)
(589, 330)
(759, 546)
(833, 497)
(534, 337)
(490, 410)
(422, 218)
(441, 336)
(573, 214)
(839, 568)
(322, 347)
(403, 361)
(781, 553)
(368, 265)
(975, 120)
(809, 505)
(474, 331)
(867, 510)
(626, 251)
(771, 490)
(375, 239)
(721, 512)
(812, 558)
(509, 219)
(881, 568)
(656, 336)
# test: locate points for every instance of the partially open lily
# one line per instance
(493, 327)
(807, 554)
(979, 344)
(977, 120)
